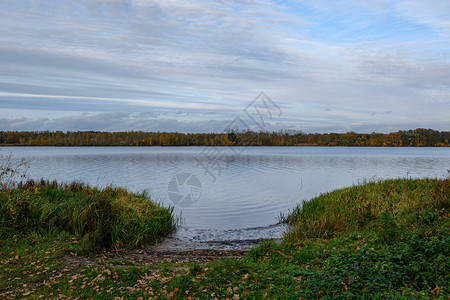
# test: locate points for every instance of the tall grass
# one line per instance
(101, 218)
(360, 207)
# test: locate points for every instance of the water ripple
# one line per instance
(249, 193)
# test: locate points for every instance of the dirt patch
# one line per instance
(74, 260)
(169, 250)
(173, 256)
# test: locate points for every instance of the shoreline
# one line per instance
(387, 238)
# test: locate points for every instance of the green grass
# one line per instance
(26, 260)
(382, 240)
(411, 202)
(99, 218)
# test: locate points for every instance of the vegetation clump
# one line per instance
(362, 207)
(100, 218)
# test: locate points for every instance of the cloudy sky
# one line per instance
(194, 66)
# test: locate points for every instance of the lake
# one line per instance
(226, 194)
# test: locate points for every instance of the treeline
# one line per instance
(415, 138)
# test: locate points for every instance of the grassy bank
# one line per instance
(414, 205)
(379, 240)
(98, 218)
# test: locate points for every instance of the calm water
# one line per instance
(241, 195)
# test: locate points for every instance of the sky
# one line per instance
(197, 66)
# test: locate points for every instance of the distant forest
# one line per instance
(415, 138)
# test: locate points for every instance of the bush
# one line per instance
(12, 172)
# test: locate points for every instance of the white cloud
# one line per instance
(207, 57)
